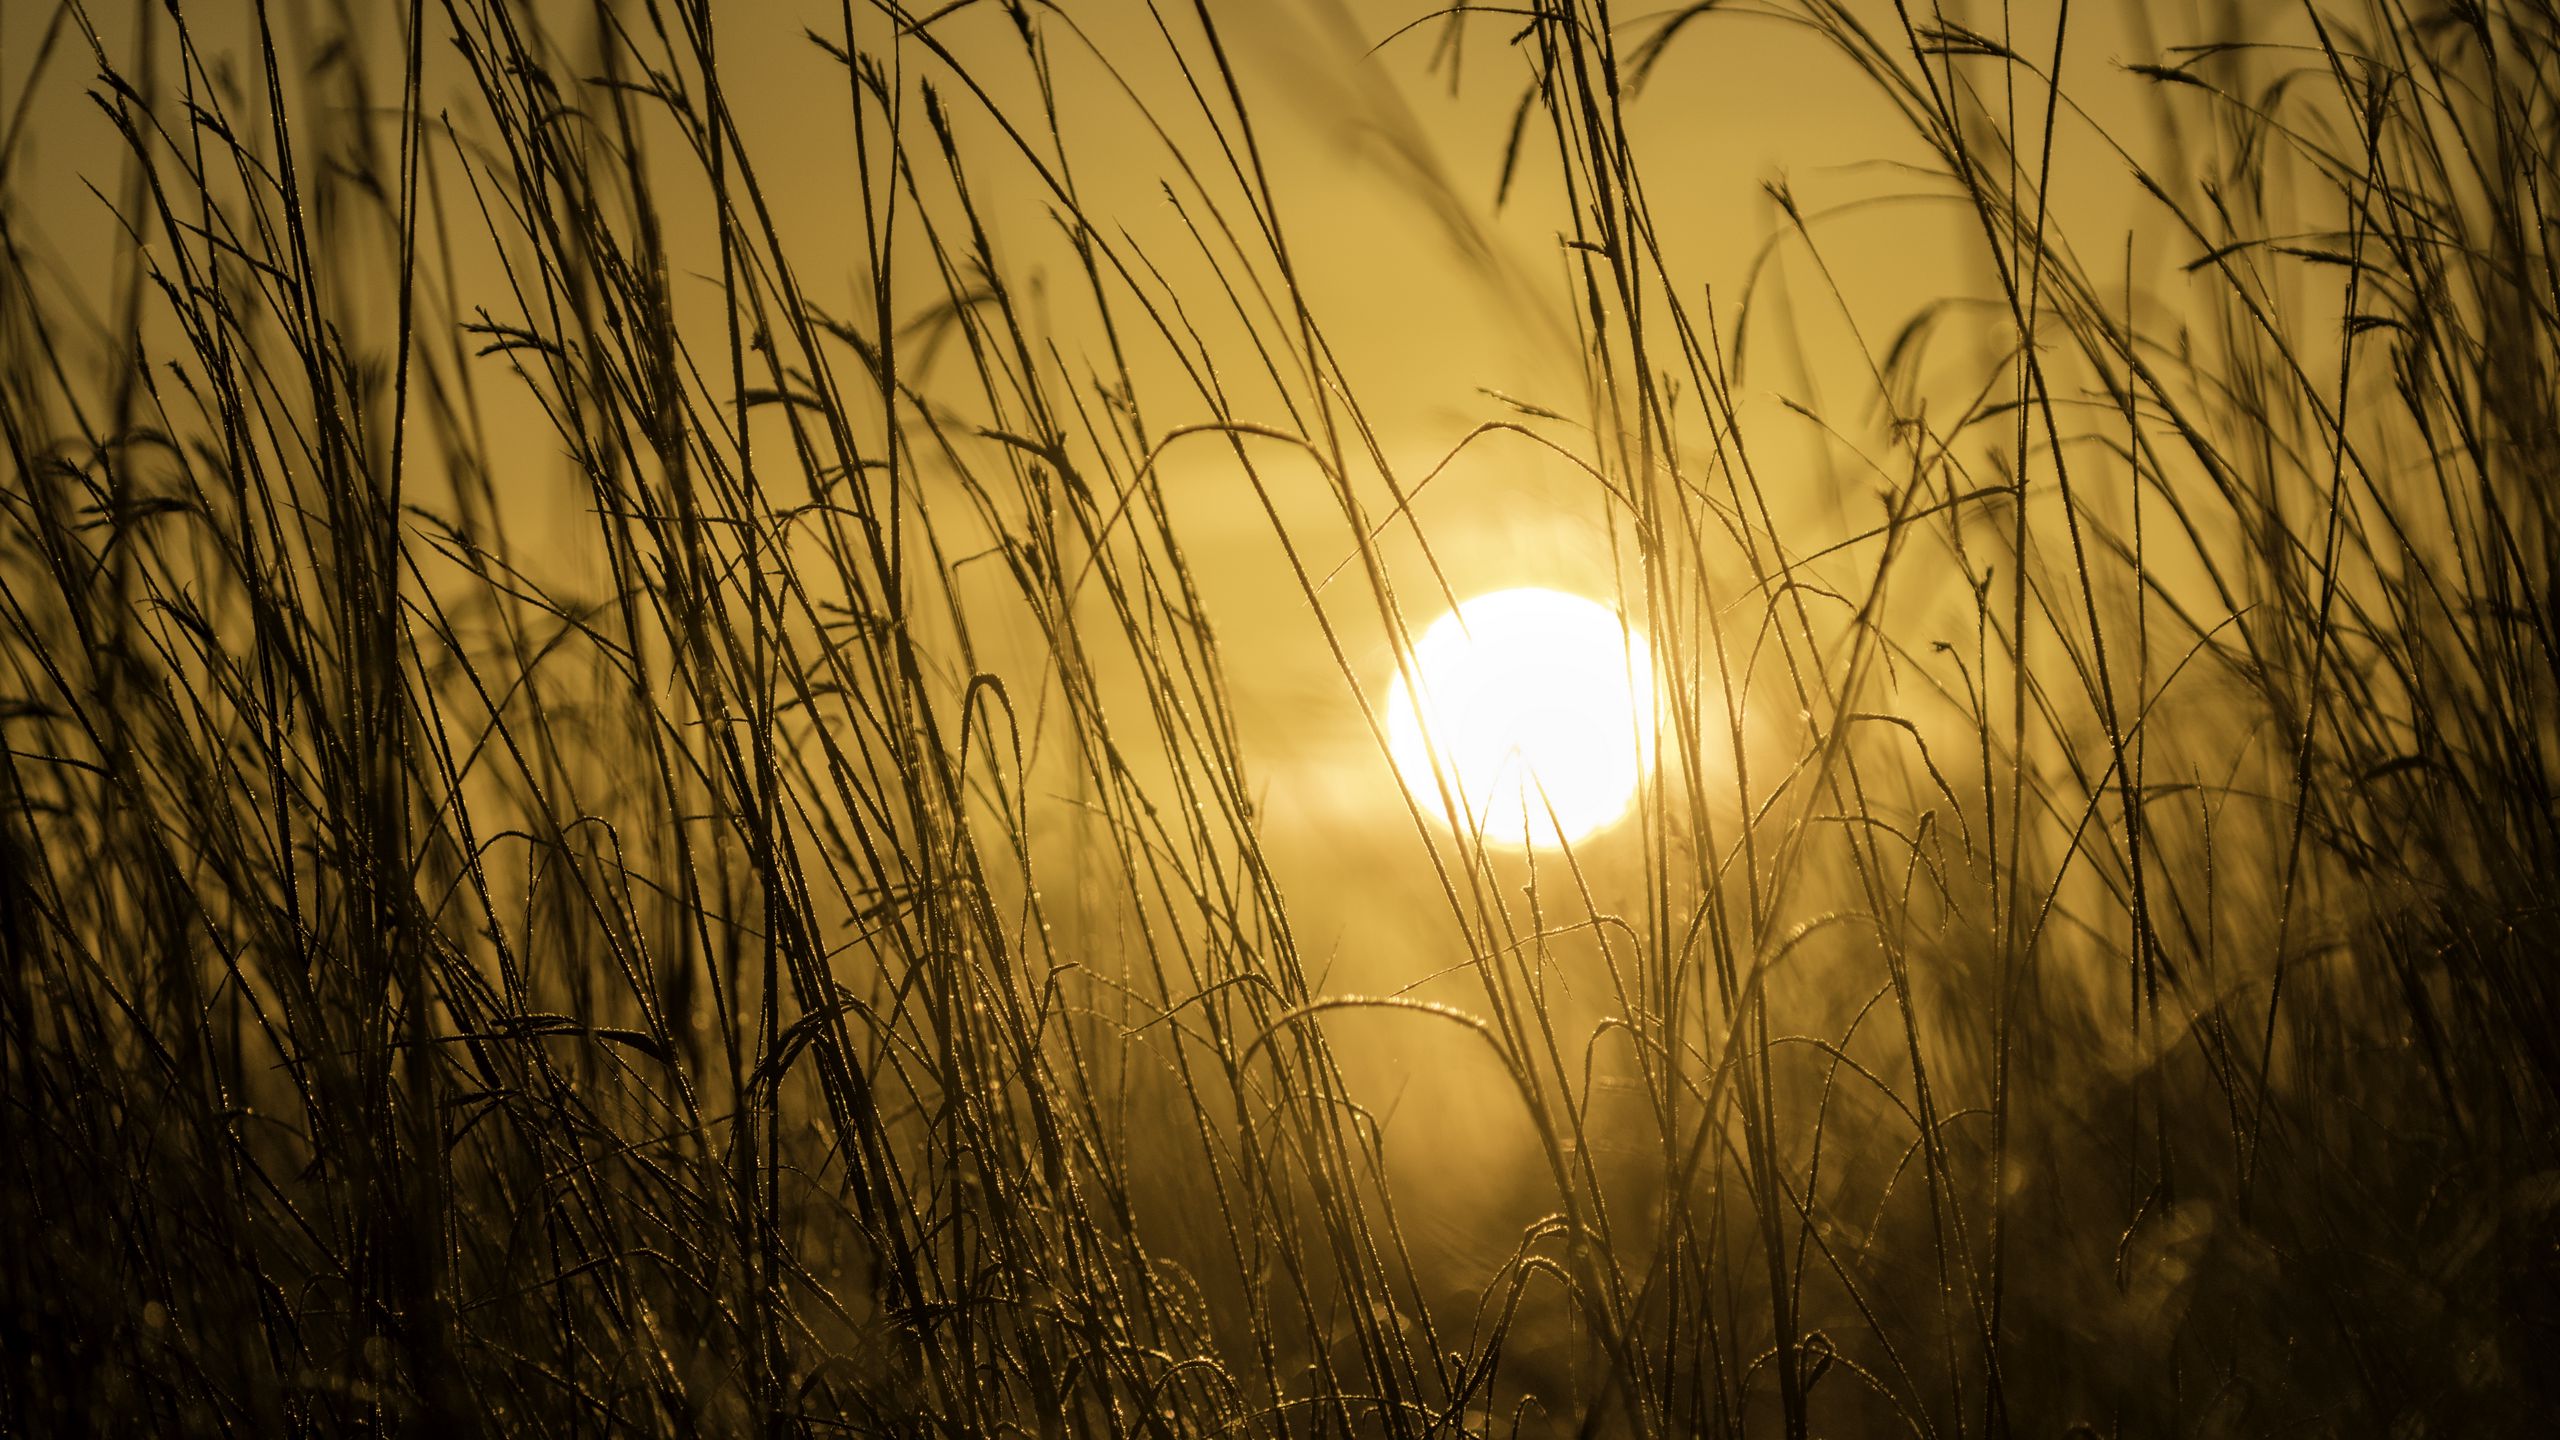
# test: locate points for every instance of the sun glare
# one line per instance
(1537, 706)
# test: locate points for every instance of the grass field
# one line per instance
(696, 705)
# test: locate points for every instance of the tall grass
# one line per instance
(624, 814)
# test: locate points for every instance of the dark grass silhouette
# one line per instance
(2085, 965)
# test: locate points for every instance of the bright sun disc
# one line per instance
(1539, 707)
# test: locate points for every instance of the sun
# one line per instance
(1537, 706)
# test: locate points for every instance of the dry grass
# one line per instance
(777, 934)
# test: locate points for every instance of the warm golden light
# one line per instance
(1538, 707)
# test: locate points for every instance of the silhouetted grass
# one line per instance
(620, 819)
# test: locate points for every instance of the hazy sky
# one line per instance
(1385, 166)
